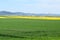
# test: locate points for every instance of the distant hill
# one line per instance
(6, 13)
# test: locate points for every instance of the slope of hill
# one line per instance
(26, 14)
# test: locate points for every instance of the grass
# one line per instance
(29, 29)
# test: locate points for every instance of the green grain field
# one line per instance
(29, 29)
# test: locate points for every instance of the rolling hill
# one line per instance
(7, 13)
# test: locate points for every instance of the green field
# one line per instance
(29, 29)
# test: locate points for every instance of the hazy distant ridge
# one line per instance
(26, 14)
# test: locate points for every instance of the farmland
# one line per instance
(12, 28)
(34, 17)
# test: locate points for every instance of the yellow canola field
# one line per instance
(34, 17)
(2, 17)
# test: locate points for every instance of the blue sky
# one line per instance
(30, 6)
